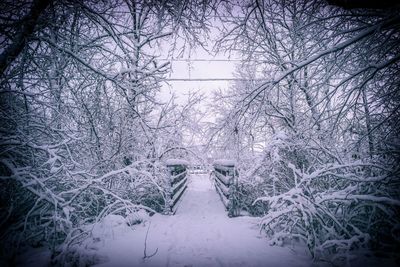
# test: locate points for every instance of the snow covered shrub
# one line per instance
(51, 184)
(83, 249)
(142, 184)
(246, 194)
(82, 133)
(136, 217)
(152, 199)
(317, 106)
(259, 175)
(335, 208)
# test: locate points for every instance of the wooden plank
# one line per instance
(225, 162)
(178, 185)
(178, 195)
(223, 168)
(223, 187)
(176, 162)
(224, 200)
(177, 178)
(225, 180)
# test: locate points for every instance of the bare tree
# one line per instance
(79, 112)
(323, 111)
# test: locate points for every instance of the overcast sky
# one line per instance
(193, 69)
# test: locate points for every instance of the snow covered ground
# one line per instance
(199, 234)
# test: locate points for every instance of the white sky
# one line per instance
(202, 70)
(198, 70)
(192, 69)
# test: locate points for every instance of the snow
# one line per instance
(137, 217)
(171, 162)
(178, 184)
(225, 180)
(223, 187)
(280, 135)
(199, 234)
(178, 194)
(225, 162)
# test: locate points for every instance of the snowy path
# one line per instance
(200, 234)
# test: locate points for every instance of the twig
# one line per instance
(145, 256)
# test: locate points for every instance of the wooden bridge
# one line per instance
(224, 175)
(199, 233)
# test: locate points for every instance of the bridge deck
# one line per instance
(200, 234)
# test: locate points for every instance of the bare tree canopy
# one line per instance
(349, 4)
(308, 128)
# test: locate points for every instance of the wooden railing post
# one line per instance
(176, 183)
(168, 191)
(226, 181)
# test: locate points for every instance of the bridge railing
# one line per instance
(226, 181)
(176, 183)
